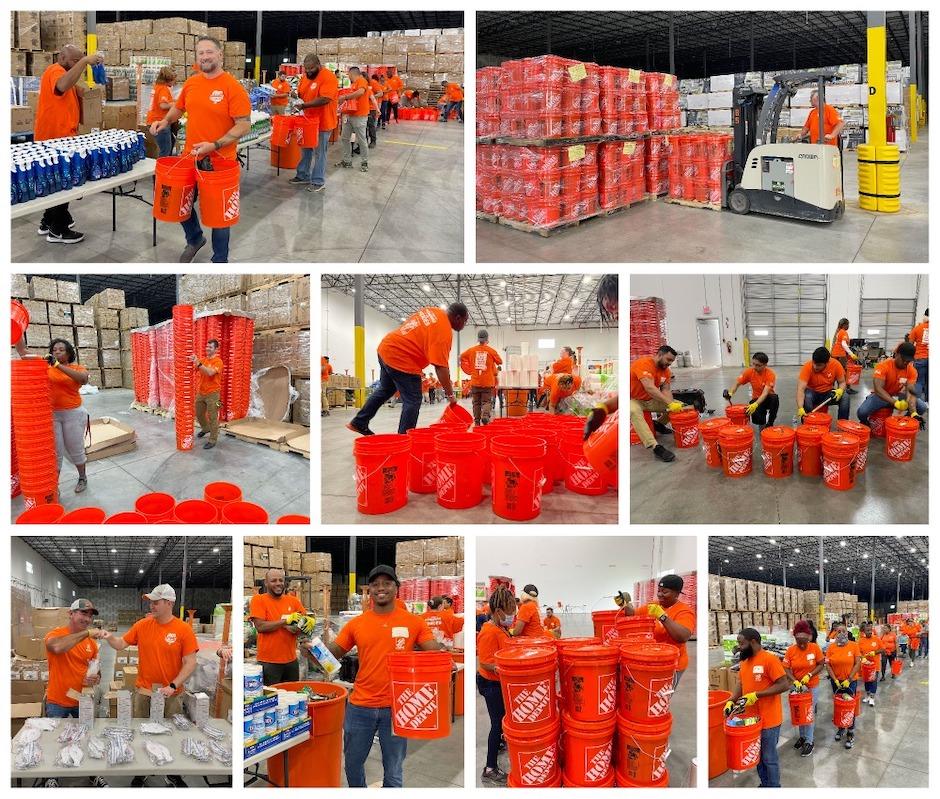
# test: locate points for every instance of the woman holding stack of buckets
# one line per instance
(803, 663)
(843, 661)
(675, 620)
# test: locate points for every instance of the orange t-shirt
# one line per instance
(802, 661)
(912, 631)
(68, 669)
(841, 659)
(555, 392)
(325, 370)
(280, 86)
(490, 640)
(831, 118)
(825, 380)
(279, 646)
(563, 366)
(162, 648)
(839, 345)
(896, 380)
(57, 115)
(643, 368)
(63, 389)
(868, 645)
(890, 642)
(757, 674)
(551, 622)
(209, 385)
(375, 636)
(211, 106)
(377, 89)
(920, 338)
(362, 102)
(424, 339)
(758, 381)
(480, 363)
(680, 613)
(394, 84)
(323, 85)
(161, 94)
(443, 625)
(454, 92)
(529, 613)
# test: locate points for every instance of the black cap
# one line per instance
(531, 589)
(671, 581)
(383, 570)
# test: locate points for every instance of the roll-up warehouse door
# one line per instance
(785, 316)
(886, 321)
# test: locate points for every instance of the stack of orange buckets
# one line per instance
(183, 375)
(33, 435)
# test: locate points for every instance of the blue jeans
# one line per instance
(386, 108)
(813, 398)
(849, 690)
(450, 107)
(921, 365)
(924, 647)
(768, 769)
(359, 729)
(873, 403)
(54, 711)
(390, 381)
(317, 157)
(220, 235)
(164, 140)
(808, 731)
(492, 694)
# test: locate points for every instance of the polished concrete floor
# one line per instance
(662, 232)
(278, 481)
(891, 741)
(682, 742)
(686, 491)
(338, 486)
(407, 208)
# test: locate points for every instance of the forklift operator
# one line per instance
(832, 123)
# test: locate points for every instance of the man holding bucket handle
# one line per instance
(316, 97)
(424, 339)
(208, 392)
(804, 662)
(920, 338)
(821, 380)
(376, 633)
(843, 661)
(218, 114)
(675, 620)
(276, 616)
(763, 680)
(764, 404)
(871, 649)
(356, 121)
(893, 386)
(651, 390)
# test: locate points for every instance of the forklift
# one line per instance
(793, 179)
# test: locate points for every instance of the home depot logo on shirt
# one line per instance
(758, 673)
(170, 638)
(400, 634)
(217, 96)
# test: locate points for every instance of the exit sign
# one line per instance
(706, 310)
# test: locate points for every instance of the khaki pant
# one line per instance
(141, 702)
(482, 397)
(639, 422)
(207, 414)
(324, 399)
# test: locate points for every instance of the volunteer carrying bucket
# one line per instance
(742, 743)
(801, 708)
(709, 431)
(381, 473)
(900, 435)
(777, 450)
(420, 683)
(642, 750)
(685, 428)
(219, 193)
(646, 676)
(175, 188)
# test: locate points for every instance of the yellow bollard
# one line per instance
(867, 179)
(888, 178)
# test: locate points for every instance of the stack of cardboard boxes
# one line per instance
(340, 388)
(918, 607)
(735, 603)
(29, 672)
(429, 557)
(309, 574)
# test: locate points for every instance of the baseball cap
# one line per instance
(162, 591)
(383, 570)
(672, 581)
(483, 335)
(84, 604)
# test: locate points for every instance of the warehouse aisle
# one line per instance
(409, 207)
(643, 233)
(888, 493)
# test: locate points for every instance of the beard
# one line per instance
(746, 654)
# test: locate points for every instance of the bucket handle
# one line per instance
(669, 693)
(377, 468)
(664, 758)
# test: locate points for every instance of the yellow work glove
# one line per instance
(900, 405)
(853, 356)
(798, 686)
(750, 699)
(800, 412)
(305, 624)
(751, 408)
(844, 684)
(674, 407)
(292, 619)
(806, 679)
(838, 393)
(729, 706)
(655, 611)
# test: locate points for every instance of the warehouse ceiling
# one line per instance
(525, 302)
(849, 557)
(706, 42)
(156, 293)
(141, 561)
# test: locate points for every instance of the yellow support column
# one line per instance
(91, 45)
(913, 111)
(359, 337)
(877, 78)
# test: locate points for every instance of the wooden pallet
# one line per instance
(147, 409)
(619, 208)
(275, 445)
(546, 232)
(650, 197)
(693, 204)
(273, 283)
(487, 217)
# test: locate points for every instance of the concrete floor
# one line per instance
(278, 481)
(637, 234)
(682, 741)
(891, 741)
(686, 491)
(338, 487)
(408, 208)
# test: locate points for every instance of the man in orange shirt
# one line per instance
(893, 385)
(356, 121)
(218, 114)
(279, 618)
(58, 115)
(326, 370)
(675, 620)
(820, 380)
(375, 111)
(70, 650)
(763, 680)
(316, 97)
(375, 634)
(208, 393)
(281, 97)
(424, 339)
(481, 363)
(832, 123)
(920, 338)
(552, 623)
(558, 387)
(651, 390)
(764, 403)
(395, 89)
(453, 93)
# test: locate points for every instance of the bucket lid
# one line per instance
(601, 728)
(687, 416)
(598, 652)
(854, 428)
(651, 653)
(818, 418)
(838, 442)
(526, 657)
(735, 432)
(778, 434)
(713, 424)
(659, 727)
(902, 424)
(810, 434)
(381, 444)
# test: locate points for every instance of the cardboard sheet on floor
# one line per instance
(264, 430)
(299, 442)
(110, 437)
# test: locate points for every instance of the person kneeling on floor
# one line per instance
(650, 390)
(764, 403)
(821, 380)
(893, 386)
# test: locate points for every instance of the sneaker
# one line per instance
(495, 775)
(208, 445)
(52, 782)
(174, 781)
(344, 164)
(851, 391)
(68, 237)
(138, 782)
(99, 782)
(871, 701)
(663, 454)
(44, 230)
(201, 433)
(799, 743)
(189, 252)
(364, 167)
(296, 181)
(839, 734)
(850, 740)
(807, 749)
(363, 431)
(317, 187)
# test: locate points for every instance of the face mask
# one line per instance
(842, 639)
(508, 621)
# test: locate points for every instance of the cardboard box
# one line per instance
(38, 63)
(84, 336)
(234, 49)
(30, 648)
(275, 559)
(261, 540)
(119, 116)
(110, 359)
(291, 543)
(43, 288)
(259, 557)
(19, 286)
(248, 577)
(171, 25)
(59, 313)
(108, 433)
(25, 30)
(118, 89)
(92, 105)
(89, 358)
(108, 298)
(311, 562)
(131, 318)
(109, 339)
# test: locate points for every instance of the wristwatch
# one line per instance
(173, 685)
(663, 618)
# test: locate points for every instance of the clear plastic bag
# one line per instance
(181, 722)
(159, 755)
(97, 747)
(154, 728)
(221, 753)
(119, 749)
(196, 749)
(29, 755)
(213, 732)
(72, 733)
(70, 756)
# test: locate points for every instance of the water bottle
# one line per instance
(14, 185)
(40, 185)
(95, 156)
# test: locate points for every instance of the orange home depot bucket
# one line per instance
(19, 320)
(381, 472)
(587, 751)
(219, 196)
(897, 666)
(456, 415)
(642, 749)
(517, 474)
(646, 675)
(588, 680)
(285, 157)
(709, 431)
(42, 514)
(580, 475)
(317, 761)
(717, 749)
(564, 644)
(175, 188)
(839, 451)
(605, 624)
(601, 449)
(422, 475)
(877, 422)
(843, 710)
(801, 708)
(527, 680)
(293, 518)
(126, 517)
(243, 513)
(196, 511)
(220, 494)
(900, 435)
(858, 703)
(863, 434)
(735, 443)
(685, 428)
(634, 438)
(517, 402)
(625, 782)
(307, 132)
(809, 449)
(281, 129)
(737, 414)
(420, 684)
(459, 469)
(818, 419)
(742, 745)
(777, 450)
(608, 783)
(155, 506)
(853, 374)
(533, 754)
(869, 670)
(633, 625)
(532, 640)
(84, 516)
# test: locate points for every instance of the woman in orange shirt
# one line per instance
(528, 621)
(161, 103)
(843, 661)
(889, 640)
(871, 650)
(841, 350)
(493, 636)
(803, 663)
